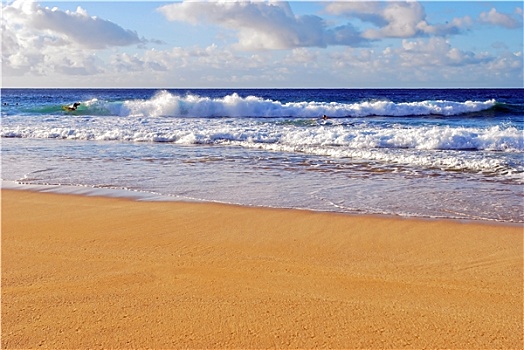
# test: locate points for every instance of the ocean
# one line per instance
(432, 153)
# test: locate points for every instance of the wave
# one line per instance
(438, 153)
(428, 146)
(201, 131)
(309, 132)
(166, 104)
(508, 108)
(92, 107)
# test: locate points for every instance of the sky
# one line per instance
(262, 44)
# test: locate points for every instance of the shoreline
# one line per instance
(99, 272)
(144, 196)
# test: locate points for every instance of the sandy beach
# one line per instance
(88, 272)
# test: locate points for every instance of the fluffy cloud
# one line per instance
(367, 11)
(37, 39)
(411, 63)
(67, 27)
(195, 66)
(263, 25)
(396, 19)
(437, 52)
(501, 19)
(273, 25)
(420, 61)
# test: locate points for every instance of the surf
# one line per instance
(166, 104)
(233, 105)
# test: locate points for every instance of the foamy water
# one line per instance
(413, 152)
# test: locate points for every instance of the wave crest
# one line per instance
(166, 104)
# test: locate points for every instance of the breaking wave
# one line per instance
(166, 104)
(426, 146)
(200, 131)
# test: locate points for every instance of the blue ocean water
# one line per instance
(451, 153)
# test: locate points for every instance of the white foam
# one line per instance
(198, 131)
(165, 103)
(141, 121)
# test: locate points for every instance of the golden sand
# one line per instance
(85, 272)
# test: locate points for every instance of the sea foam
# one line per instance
(165, 104)
(214, 131)
(359, 141)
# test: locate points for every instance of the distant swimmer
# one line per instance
(71, 108)
(325, 117)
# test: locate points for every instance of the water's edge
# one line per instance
(143, 196)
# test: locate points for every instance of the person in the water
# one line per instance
(73, 107)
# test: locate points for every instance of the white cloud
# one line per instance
(437, 52)
(37, 40)
(423, 62)
(263, 25)
(501, 19)
(302, 57)
(68, 27)
(396, 19)
(367, 11)
(412, 63)
(508, 62)
(403, 20)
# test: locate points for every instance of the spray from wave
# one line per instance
(166, 104)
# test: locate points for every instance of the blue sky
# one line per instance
(354, 44)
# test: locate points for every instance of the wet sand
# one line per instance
(91, 272)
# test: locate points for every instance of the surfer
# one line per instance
(71, 108)
(325, 117)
